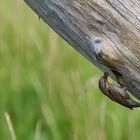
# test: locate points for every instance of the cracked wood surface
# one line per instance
(107, 32)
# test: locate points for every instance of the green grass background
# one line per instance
(49, 90)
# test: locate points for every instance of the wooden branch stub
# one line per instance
(106, 32)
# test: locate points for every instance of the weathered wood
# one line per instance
(107, 32)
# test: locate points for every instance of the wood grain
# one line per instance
(106, 32)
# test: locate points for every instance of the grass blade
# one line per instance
(38, 130)
(10, 126)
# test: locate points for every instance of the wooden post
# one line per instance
(107, 32)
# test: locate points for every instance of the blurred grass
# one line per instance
(49, 90)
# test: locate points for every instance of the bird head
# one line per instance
(106, 75)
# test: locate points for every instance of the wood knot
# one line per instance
(97, 40)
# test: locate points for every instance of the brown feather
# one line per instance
(117, 97)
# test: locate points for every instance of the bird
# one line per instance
(116, 93)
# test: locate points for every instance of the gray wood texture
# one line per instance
(106, 32)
